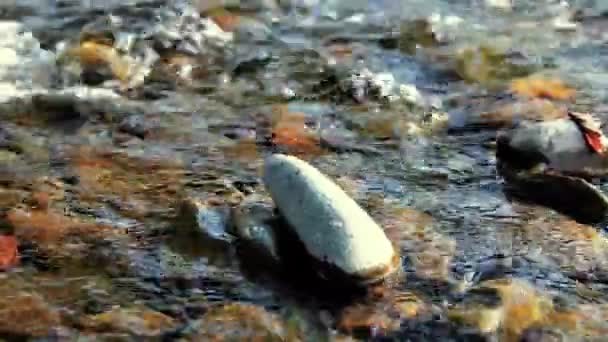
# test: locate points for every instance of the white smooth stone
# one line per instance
(332, 226)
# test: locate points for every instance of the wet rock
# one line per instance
(142, 54)
(27, 315)
(252, 222)
(196, 220)
(55, 107)
(251, 62)
(236, 321)
(100, 62)
(558, 143)
(571, 195)
(332, 227)
(551, 152)
(136, 126)
(135, 321)
(200, 231)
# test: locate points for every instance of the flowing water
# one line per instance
(91, 190)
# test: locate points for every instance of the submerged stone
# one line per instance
(199, 226)
(333, 228)
(542, 161)
(252, 225)
(570, 195)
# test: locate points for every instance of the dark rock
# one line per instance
(56, 107)
(571, 195)
(135, 125)
(252, 222)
